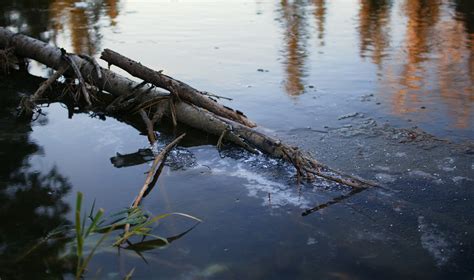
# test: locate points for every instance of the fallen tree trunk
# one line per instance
(179, 89)
(132, 97)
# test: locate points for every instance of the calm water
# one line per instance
(382, 89)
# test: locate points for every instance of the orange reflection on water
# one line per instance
(374, 17)
(432, 70)
(80, 20)
(292, 20)
(320, 16)
(455, 72)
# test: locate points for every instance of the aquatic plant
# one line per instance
(140, 225)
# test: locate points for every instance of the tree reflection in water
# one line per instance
(31, 201)
(56, 20)
(294, 21)
(434, 63)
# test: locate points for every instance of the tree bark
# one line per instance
(179, 89)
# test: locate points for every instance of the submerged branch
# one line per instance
(150, 177)
(157, 160)
(331, 202)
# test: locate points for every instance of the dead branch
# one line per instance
(221, 139)
(149, 126)
(7, 60)
(331, 202)
(158, 158)
(94, 63)
(151, 173)
(78, 75)
(179, 88)
(28, 104)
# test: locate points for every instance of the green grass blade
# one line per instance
(95, 221)
(79, 237)
(83, 226)
(92, 210)
(159, 217)
(84, 265)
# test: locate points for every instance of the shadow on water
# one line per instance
(31, 201)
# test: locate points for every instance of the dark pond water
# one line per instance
(382, 89)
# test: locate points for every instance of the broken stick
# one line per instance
(149, 177)
(180, 89)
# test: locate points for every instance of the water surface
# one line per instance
(381, 89)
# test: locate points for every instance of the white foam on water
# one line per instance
(447, 164)
(435, 242)
(272, 193)
(422, 174)
(385, 178)
(458, 179)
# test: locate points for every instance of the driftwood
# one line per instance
(152, 174)
(179, 89)
(28, 104)
(159, 158)
(179, 102)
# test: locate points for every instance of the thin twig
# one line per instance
(158, 158)
(215, 95)
(149, 126)
(156, 176)
(150, 103)
(173, 112)
(331, 202)
(78, 74)
(150, 176)
(94, 63)
(46, 84)
(221, 138)
(28, 104)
